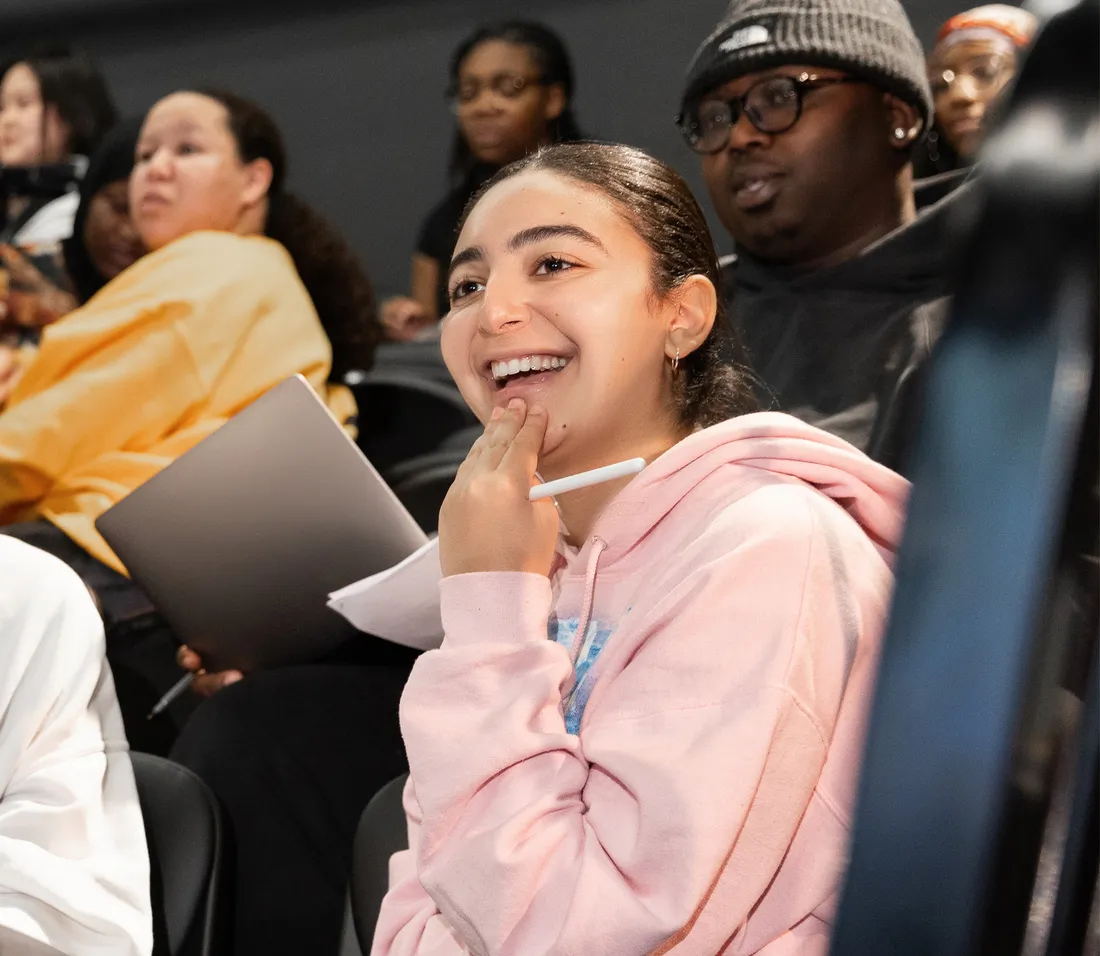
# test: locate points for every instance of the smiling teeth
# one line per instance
(529, 363)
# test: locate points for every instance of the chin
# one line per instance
(552, 449)
(158, 238)
(968, 147)
(767, 247)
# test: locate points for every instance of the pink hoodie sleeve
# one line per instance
(692, 780)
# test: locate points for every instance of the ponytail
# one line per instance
(335, 281)
(329, 270)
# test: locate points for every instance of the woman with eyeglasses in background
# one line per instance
(511, 90)
(975, 58)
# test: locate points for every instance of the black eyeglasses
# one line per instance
(772, 106)
(504, 85)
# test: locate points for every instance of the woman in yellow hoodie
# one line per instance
(243, 286)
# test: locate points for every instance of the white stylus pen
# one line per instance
(585, 478)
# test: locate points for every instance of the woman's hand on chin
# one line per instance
(486, 522)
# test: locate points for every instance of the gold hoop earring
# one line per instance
(676, 363)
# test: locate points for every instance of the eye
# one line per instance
(777, 93)
(463, 288)
(186, 149)
(984, 72)
(713, 113)
(551, 264)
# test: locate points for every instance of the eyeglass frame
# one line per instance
(452, 92)
(803, 83)
(939, 83)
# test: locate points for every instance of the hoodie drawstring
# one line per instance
(598, 548)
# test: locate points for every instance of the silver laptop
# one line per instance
(240, 540)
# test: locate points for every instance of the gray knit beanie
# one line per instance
(871, 39)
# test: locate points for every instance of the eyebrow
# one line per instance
(469, 254)
(528, 237)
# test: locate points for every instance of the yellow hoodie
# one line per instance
(156, 361)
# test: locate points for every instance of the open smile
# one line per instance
(522, 374)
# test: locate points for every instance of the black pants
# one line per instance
(294, 756)
(141, 648)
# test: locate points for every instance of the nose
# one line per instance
(159, 165)
(743, 134)
(964, 89)
(503, 306)
(484, 104)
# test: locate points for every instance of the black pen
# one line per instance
(176, 689)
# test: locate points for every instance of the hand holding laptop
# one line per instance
(280, 508)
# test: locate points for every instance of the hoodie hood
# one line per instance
(844, 348)
(774, 443)
(401, 604)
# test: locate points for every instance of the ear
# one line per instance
(555, 101)
(903, 116)
(696, 304)
(257, 181)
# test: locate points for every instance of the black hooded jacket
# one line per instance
(842, 348)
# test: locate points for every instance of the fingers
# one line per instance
(523, 451)
(204, 684)
(188, 659)
(402, 315)
(207, 684)
(502, 430)
(473, 456)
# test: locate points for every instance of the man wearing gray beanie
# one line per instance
(805, 114)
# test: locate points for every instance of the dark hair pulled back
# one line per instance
(330, 271)
(72, 84)
(714, 382)
(554, 66)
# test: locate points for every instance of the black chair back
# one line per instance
(422, 483)
(402, 416)
(419, 359)
(183, 829)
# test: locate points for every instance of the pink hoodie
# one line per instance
(732, 598)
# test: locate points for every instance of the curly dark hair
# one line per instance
(715, 382)
(330, 271)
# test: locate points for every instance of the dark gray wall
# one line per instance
(357, 87)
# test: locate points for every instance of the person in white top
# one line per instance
(74, 866)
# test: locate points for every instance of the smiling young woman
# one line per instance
(687, 655)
